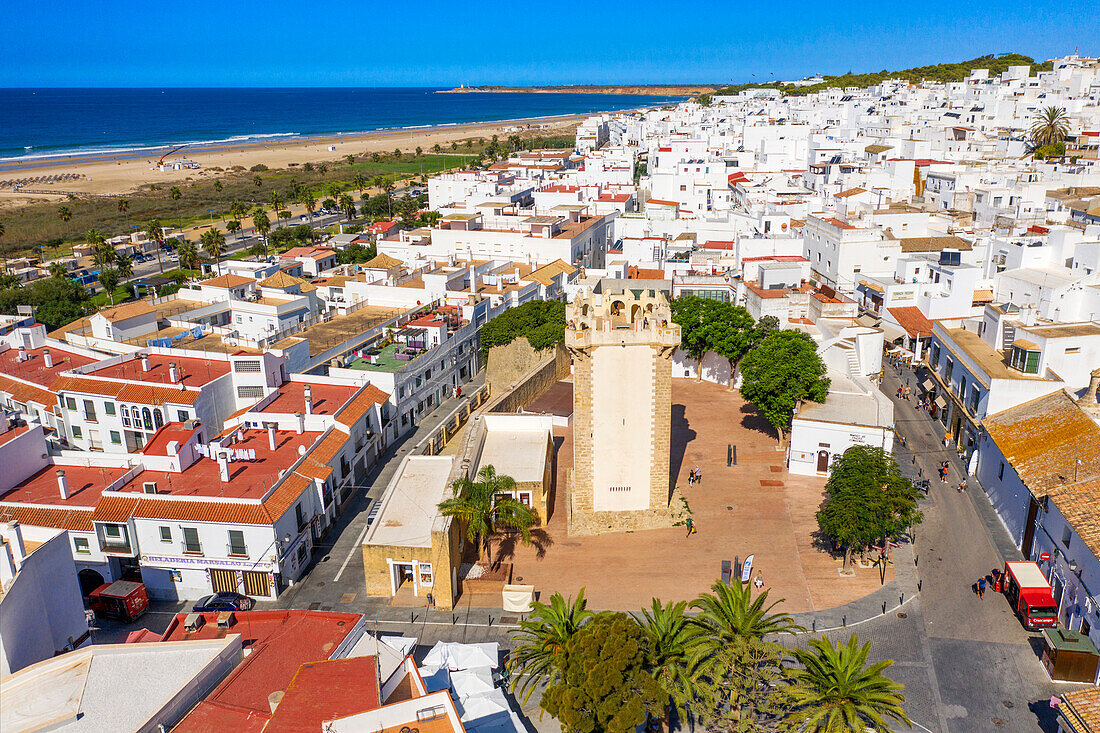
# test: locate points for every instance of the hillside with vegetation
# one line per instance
(933, 72)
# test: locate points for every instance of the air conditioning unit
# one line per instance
(225, 620)
(193, 622)
(149, 487)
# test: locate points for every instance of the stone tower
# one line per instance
(622, 343)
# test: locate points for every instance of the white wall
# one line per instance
(622, 447)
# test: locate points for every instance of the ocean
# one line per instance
(47, 122)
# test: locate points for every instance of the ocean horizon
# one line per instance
(49, 122)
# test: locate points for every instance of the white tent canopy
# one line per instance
(455, 656)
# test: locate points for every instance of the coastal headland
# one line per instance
(121, 172)
(672, 90)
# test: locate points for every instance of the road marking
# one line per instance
(357, 546)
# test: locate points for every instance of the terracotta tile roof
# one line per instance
(1044, 438)
(285, 495)
(78, 520)
(127, 310)
(145, 394)
(200, 510)
(983, 296)
(1080, 505)
(23, 392)
(877, 287)
(115, 508)
(281, 280)
(316, 463)
(1080, 711)
(912, 320)
(850, 192)
(933, 244)
(227, 281)
(359, 405)
(546, 274)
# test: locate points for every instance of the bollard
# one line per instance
(735, 455)
(918, 585)
(729, 455)
(884, 608)
(412, 617)
(813, 625)
(844, 620)
(901, 599)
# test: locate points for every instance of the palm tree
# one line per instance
(188, 254)
(388, 186)
(1050, 127)
(4, 268)
(56, 269)
(350, 159)
(333, 190)
(276, 202)
(347, 205)
(213, 241)
(730, 613)
(258, 180)
(64, 215)
(436, 148)
(262, 224)
(359, 182)
(125, 268)
(123, 206)
(836, 691)
(677, 648)
(218, 185)
(175, 194)
(484, 506)
(232, 226)
(310, 203)
(155, 232)
(541, 639)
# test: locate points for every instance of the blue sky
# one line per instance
(430, 43)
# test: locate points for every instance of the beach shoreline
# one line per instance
(123, 171)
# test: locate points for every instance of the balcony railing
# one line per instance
(191, 548)
(236, 550)
(116, 547)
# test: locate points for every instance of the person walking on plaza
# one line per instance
(698, 475)
(981, 587)
(691, 526)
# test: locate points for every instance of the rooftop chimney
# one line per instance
(270, 434)
(145, 363)
(473, 279)
(7, 564)
(173, 373)
(47, 358)
(14, 535)
(223, 465)
(300, 424)
(309, 400)
(62, 484)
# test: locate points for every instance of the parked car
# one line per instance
(224, 601)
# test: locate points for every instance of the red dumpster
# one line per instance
(122, 599)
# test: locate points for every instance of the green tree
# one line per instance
(387, 187)
(108, 277)
(867, 498)
(123, 206)
(1050, 127)
(397, 152)
(419, 151)
(540, 642)
(175, 194)
(484, 508)
(213, 241)
(836, 692)
(258, 181)
(359, 182)
(154, 232)
(104, 254)
(328, 204)
(233, 226)
(57, 300)
(125, 268)
(347, 205)
(541, 322)
(188, 254)
(730, 612)
(310, 203)
(436, 148)
(605, 684)
(218, 185)
(731, 333)
(262, 225)
(350, 159)
(333, 189)
(56, 269)
(276, 202)
(745, 687)
(780, 373)
(690, 314)
(676, 652)
(64, 214)
(356, 253)
(237, 209)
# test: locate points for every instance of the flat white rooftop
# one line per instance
(515, 445)
(410, 506)
(848, 404)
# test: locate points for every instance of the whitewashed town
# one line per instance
(359, 480)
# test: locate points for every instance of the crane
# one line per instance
(173, 150)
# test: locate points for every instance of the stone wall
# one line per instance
(506, 364)
(444, 556)
(514, 395)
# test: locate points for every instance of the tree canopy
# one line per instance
(57, 301)
(780, 372)
(713, 325)
(605, 684)
(541, 322)
(866, 498)
(932, 72)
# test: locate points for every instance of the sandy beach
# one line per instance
(120, 173)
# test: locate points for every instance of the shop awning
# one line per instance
(941, 403)
(892, 332)
(927, 385)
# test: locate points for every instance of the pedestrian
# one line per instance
(962, 486)
(981, 587)
(908, 392)
(692, 529)
(698, 475)
(899, 393)
(758, 581)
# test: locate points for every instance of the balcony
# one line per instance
(191, 548)
(236, 550)
(116, 547)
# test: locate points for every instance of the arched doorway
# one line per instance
(89, 580)
(822, 461)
